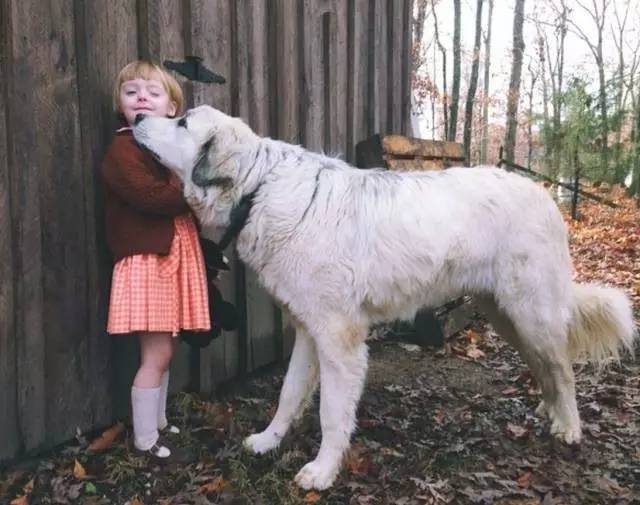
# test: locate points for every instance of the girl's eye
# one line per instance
(130, 92)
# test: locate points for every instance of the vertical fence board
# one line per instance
(312, 108)
(288, 70)
(9, 443)
(25, 203)
(210, 38)
(60, 174)
(107, 38)
(378, 72)
(395, 110)
(358, 75)
(336, 84)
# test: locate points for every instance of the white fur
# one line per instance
(341, 248)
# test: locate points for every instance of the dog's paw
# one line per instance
(316, 475)
(260, 443)
(569, 435)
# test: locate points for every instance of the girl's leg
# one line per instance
(164, 390)
(156, 350)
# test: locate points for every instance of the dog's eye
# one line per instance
(182, 122)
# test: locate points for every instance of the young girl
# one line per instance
(159, 282)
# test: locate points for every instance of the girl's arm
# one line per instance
(125, 172)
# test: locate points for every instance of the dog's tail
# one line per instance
(601, 323)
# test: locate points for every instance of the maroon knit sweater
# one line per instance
(142, 198)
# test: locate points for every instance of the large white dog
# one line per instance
(341, 248)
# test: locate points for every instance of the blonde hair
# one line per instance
(143, 69)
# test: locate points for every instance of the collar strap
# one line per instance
(238, 219)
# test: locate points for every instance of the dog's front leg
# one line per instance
(342, 374)
(299, 384)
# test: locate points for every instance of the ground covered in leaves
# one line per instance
(455, 425)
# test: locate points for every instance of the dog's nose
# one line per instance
(139, 117)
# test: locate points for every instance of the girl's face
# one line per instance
(145, 96)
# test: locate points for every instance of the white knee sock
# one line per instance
(162, 401)
(144, 403)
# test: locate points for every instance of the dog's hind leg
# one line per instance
(343, 366)
(544, 348)
(297, 390)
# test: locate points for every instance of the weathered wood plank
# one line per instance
(312, 106)
(288, 57)
(107, 40)
(399, 145)
(379, 71)
(9, 439)
(396, 48)
(63, 230)
(25, 213)
(403, 165)
(335, 35)
(358, 87)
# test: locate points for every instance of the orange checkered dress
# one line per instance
(155, 293)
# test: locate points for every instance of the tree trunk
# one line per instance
(473, 84)
(455, 88)
(534, 78)
(443, 51)
(514, 83)
(602, 103)
(485, 106)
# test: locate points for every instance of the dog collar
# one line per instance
(238, 218)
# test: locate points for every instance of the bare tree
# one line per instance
(487, 75)
(473, 84)
(455, 88)
(514, 82)
(598, 12)
(443, 52)
(533, 77)
(545, 98)
(618, 39)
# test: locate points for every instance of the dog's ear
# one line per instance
(205, 166)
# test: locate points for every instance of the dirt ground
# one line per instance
(434, 426)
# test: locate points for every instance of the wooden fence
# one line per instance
(323, 73)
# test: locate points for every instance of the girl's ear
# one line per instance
(173, 108)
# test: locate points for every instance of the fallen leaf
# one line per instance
(474, 353)
(524, 480)
(312, 497)
(107, 439)
(215, 486)
(78, 471)
(516, 431)
(136, 501)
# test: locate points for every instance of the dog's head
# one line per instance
(196, 146)
(205, 148)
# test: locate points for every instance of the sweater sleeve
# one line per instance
(126, 173)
